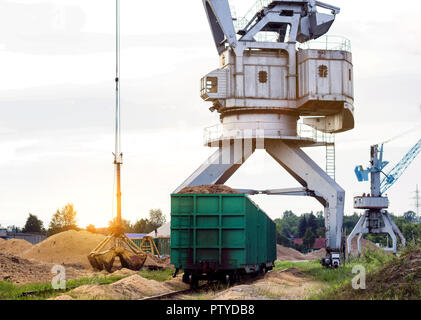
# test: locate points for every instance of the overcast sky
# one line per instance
(57, 105)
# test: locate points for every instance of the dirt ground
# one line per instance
(288, 284)
(21, 271)
(153, 262)
(398, 279)
(21, 262)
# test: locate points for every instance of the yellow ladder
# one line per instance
(148, 245)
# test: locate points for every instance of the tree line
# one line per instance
(311, 226)
(65, 219)
(308, 227)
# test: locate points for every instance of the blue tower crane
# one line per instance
(377, 202)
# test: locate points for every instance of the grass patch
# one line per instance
(158, 275)
(41, 291)
(397, 279)
(335, 279)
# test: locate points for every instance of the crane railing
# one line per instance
(231, 131)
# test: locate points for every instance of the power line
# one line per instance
(403, 134)
(417, 199)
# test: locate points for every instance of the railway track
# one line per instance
(168, 295)
(174, 293)
(171, 295)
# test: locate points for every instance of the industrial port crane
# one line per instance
(377, 202)
(264, 86)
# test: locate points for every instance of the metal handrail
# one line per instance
(219, 131)
(327, 42)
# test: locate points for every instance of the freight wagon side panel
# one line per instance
(182, 209)
(233, 231)
(208, 229)
(261, 235)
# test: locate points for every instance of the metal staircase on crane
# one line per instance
(331, 160)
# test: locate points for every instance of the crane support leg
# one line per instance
(326, 191)
(358, 229)
(219, 167)
(389, 229)
(230, 156)
(369, 223)
(360, 236)
(396, 230)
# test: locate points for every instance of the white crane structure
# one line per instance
(263, 88)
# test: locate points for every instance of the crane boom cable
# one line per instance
(418, 126)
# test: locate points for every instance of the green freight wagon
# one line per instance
(220, 236)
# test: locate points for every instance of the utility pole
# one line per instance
(417, 199)
(118, 156)
(131, 256)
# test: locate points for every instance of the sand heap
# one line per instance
(71, 248)
(365, 244)
(65, 248)
(316, 255)
(288, 254)
(14, 246)
(154, 263)
(18, 270)
(209, 189)
(130, 288)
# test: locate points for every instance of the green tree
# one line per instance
(350, 222)
(410, 216)
(33, 224)
(302, 226)
(91, 228)
(63, 220)
(142, 226)
(411, 232)
(312, 222)
(309, 239)
(321, 232)
(156, 218)
(282, 240)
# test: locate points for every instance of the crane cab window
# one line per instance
(211, 84)
(323, 71)
(263, 77)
